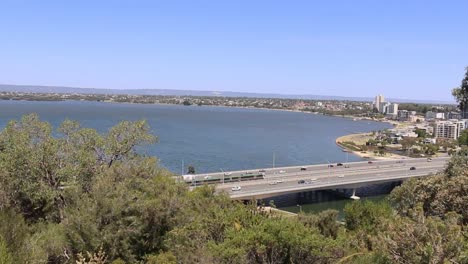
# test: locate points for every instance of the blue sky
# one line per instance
(403, 49)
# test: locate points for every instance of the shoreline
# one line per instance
(363, 154)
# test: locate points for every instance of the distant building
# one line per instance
(378, 102)
(392, 109)
(454, 115)
(430, 141)
(405, 115)
(449, 129)
(434, 115)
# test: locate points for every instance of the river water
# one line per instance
(211, 138)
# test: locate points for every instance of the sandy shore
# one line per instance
(361, 139)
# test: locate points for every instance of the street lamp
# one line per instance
(300, 208)
(223, 174)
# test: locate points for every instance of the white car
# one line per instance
(279, 181)
(276, 182)
(207, 177)
(227, 174)
(340, 176)
(236, 188)
(282, 171)
(313, 179)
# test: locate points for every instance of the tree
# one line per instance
(463, 139)
(421, 133)
(41, 173)
(461, 95)
(407, 143)
(191, 170)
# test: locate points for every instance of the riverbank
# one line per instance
(351, 143)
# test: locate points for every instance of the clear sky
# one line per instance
(402, 49)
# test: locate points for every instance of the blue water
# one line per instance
(211, 138)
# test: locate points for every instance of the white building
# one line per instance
(449, 129)
(383, 107)
(405, 115)
(392, 109)
(434, 115)
(379, 100)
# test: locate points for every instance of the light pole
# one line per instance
(182, 169)
(329, 172)
(300, 208)
(274, 154)
(223, 175)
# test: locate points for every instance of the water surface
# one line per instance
(211, 138)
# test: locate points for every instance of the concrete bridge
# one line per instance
(286, 180)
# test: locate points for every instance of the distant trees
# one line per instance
(461, 95)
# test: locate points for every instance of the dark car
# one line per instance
(262, 170)
(339, 164)
(346, 166)
(370, 162)
(330, 166)
(301, 182)
(303, 168)
(412, 168)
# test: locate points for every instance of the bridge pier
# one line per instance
(354, 196)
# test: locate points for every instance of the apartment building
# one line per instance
(451, 129)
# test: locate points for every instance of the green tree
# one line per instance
(366, 215)
(421, 133)
(463, 139)
(191, 170)
(461, 95)
(436, 195)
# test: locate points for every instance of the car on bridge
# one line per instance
(339, 164)
(262, 170)
(282, 171)
(370, 162)
(236, 188)
(412, 168)
(276, 182)
(330, 166)
(340, 176)
(303, 168)
(300, 182)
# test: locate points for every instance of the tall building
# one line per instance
(449, 129)
(392, 109)
(379, 100)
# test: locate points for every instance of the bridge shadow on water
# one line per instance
(317, 201)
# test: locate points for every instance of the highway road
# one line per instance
(351, 175)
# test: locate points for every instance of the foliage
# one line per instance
(461, 95)
(191, 170)
(438, 195)
(463, 139)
